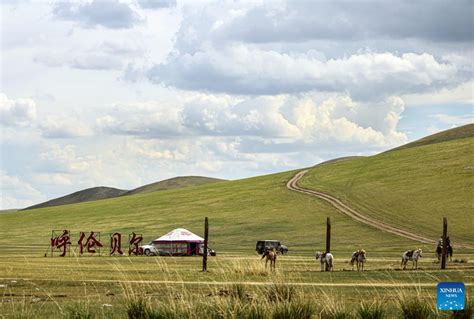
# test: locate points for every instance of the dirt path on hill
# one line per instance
(354, 214)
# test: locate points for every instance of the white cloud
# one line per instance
(239, 69)
(454, 120)
(109, 14)
(280, 119)
(16, 193)
(84, 61)
(53, 126)
(463, 93)
(16, 111)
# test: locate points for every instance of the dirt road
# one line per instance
(354, 214)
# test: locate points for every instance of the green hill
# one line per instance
(101, 192)
(240, 213)
(444, 136)
(173, 183)
(86, 195)
(412, 187)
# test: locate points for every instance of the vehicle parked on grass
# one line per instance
(263, 245)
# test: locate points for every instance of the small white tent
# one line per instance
(180, 242)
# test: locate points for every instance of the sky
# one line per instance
(125, 93)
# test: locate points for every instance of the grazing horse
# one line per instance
(449, 252)
(413, 256)
(358, 258)
(271, 255)
(327, 261)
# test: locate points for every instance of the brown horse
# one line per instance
(271, 256)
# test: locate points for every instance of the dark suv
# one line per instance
(263, 245)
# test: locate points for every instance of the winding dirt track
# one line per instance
(354, 214)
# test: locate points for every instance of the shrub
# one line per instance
(414, 308)
(238, 292)
(280, 292)
(79, 310)
(298, 309)
(138, 308)
(371, 311)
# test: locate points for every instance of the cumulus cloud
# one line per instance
(156, 4)
(63, 160)
(16, 111)
(84, 61)
(241, 70)
(108, 14)
(280, 120)
(296, 21)
(16, 193)
(53, 126)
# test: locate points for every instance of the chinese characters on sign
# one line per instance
(134, 241)
(91, 243)
(60, 242)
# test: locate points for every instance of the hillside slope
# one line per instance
(240, 213)
(410, 188)
(86, 195)
(173, 183)
(101, 192)
(444, 136)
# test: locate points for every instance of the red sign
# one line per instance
(91, 243)
(60, 242)
(134, 241)
(116, 244)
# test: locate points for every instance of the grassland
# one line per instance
(174, 183)
(49, 286)
(240, 213)
(410, 187)
(413, 188)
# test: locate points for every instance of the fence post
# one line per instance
(328, 234)
(204, 254)
(444, 248)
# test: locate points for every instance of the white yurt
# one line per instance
(180, 242)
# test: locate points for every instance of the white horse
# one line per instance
(412, 255)
(358, 258)
(327, 261)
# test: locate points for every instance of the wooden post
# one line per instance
(52, 248)
(444, 249)
(328, 234)
(204, 254)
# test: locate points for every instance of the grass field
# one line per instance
(52, 285)
(411, 187)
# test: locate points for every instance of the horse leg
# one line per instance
(266, 262)
(274, 263)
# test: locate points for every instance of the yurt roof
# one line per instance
(180, 234)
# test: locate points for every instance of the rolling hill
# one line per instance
(173, 183)
(101, 192)
(412, 188)
(86, 195)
